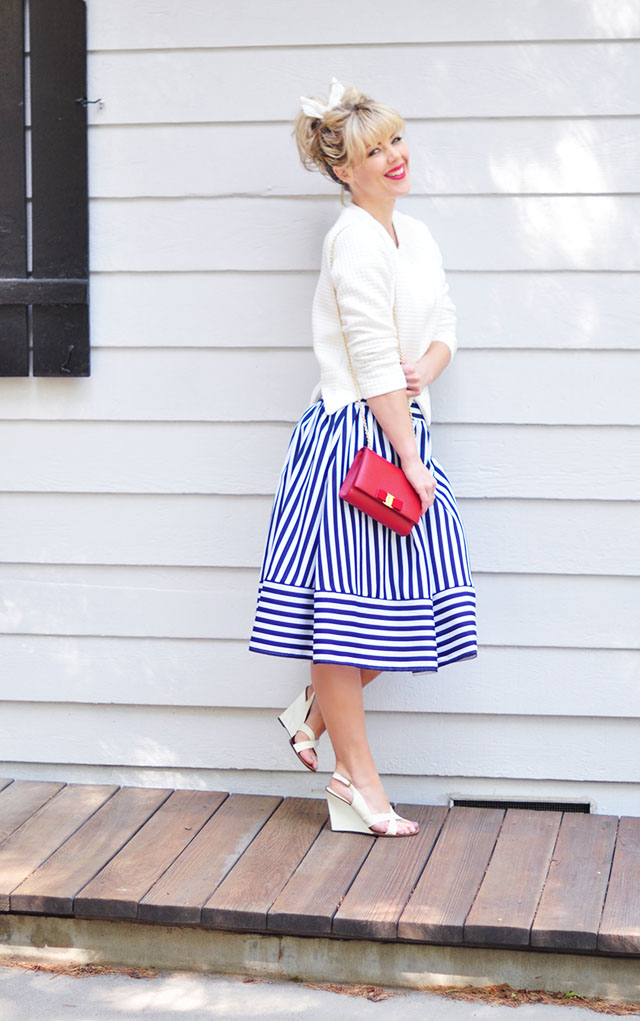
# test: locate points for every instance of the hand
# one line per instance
(422, 481)
(415, 386)
(415, 377)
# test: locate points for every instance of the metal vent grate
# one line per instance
(536, 806)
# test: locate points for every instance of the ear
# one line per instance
(343, 173)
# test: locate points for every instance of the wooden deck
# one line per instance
(472, 877)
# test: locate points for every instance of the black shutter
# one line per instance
(14, 337)
(47, 299)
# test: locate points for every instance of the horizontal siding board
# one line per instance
(516, 536)
(504, 461)
(562, 310)
(603, 797)
(580, 78)
(118, 24)
(173, 672)
(545, 387)
(468, 745)
(514, 610)
(527, 156)
(265, 309)
(528, 232)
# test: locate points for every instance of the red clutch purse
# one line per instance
(381, 490)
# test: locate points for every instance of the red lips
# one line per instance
(395, 174)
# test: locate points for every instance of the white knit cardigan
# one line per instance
(362, 267)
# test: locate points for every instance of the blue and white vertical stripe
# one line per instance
(337, 586)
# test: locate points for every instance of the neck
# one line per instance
(380, 209)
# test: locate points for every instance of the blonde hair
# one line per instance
(342, 136)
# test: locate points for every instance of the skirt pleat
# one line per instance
(337, 586)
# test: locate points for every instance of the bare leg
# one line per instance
(339, 694)
(315, 721)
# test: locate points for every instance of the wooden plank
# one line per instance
(244, 897)
(52, 887)
(177, 897)
(443, 895)
(378, 896)
(619, 931)
(596, 311)
(61, 340)
(278, 384)
(537, 611)
(308, 902)
(14, 336)
(490, 461)
(505, 905)
(455, 157)
(171, 672)
(183, 234)
(117, 889)
(60, 228)
(14, 349)
(21, 799)
(463, 744)
(462, 81)
(45, 831)
(569, 912)
(32, 291)
(116, 24)
(12, 151)
(59, 157)
(538, 536)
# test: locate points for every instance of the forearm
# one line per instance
(392, 412)
(434, 361)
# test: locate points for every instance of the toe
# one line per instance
(309, 759)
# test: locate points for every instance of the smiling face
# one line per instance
(382, 174)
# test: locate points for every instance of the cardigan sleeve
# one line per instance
(446, 325)
(363, 272)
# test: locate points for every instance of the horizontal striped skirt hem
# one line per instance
(418, 635)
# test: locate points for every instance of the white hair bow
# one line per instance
(313, 108)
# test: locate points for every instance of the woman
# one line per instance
(337, 587)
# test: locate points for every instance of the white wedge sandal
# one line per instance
(355, 817)
(294, 719)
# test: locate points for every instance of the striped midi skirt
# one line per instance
(337, 586)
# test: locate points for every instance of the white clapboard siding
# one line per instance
(196, 672)
(134, 504)
(263, 309)
(468, 745)
(531, 536)
(529, 232)
(160, 24)
(217, 385)
(515, 610)
(563, 156)
(543, 462)
(205, 85)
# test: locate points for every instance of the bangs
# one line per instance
(368, 127)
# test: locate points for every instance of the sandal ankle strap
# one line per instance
(342, 779)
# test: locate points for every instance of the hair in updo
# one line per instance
(342, 136)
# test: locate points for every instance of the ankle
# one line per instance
(366, 780)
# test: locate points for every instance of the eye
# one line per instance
(398, 138)
(373, 152)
